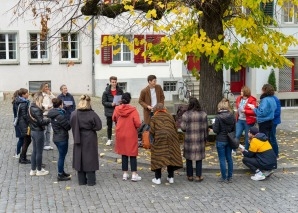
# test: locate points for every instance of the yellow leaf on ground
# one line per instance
(101, 154)
(119, 160)
(217, 174)
(263, 189)
(67, 188)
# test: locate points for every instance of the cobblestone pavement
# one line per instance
(19, 192)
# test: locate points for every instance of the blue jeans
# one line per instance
(19, 145)
(240, 126)
(224, 152)
(37, 145)
(273, 140)
(62, 147)
(47, 134)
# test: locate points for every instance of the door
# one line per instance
(237, 80)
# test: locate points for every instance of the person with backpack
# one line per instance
(60, 125)
(195, 125)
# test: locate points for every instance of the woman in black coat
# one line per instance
(21, 104)
(84, 123)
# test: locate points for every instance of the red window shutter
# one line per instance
(193, 63)
(139, 58)
(106, 53)
(154, 39)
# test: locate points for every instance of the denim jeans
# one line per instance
(240, 126)
(224, 152)
(62, 147)
(19, 145)
(47, 134)
(37, 145)
(266, 127)
(273, 140)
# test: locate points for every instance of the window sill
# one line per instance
(156, 64)
(75, 61)
(123, 65)
(8, 62)
(39, 62)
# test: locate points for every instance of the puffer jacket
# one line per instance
(107, 100)
(60, 124)
(23, 121)
(224, 123)
(36, 121)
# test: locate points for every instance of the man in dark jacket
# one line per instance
(260, 155)
(109, 105)
(69, 104)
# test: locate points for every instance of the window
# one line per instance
(8, 46)
(125, 54)
(123, 86)
(38, 47)
(169, 85)
(288, 77)
(35, 85)
(70, 46)
(267, 8)
(288, 13)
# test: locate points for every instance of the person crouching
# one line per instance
(260, 155)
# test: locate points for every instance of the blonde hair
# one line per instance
(223, 105)
(84, 102)
(37, 99)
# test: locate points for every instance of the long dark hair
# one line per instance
(194, 104)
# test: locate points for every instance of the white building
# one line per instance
(25, 61)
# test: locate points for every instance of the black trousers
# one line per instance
(251, 163)
(133, 163)
(189, 168)
(27, 142)
(88, 178)
(266, 127)
(170, 169)
(110, 125)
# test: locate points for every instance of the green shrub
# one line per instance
(272, 79)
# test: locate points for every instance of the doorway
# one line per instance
(237, 80)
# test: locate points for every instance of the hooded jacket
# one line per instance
(127, 121)
(107, 100)
(60, 124)
(261, 149)
(36, 120)
(224, 123)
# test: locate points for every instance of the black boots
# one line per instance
(63, 177)
(24, 160)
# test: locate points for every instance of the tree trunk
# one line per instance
(211, 81)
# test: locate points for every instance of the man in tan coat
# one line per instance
(150, 96)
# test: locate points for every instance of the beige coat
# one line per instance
(145, 100)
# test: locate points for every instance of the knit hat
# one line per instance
(126, 98)
(254, 130)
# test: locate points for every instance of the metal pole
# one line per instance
(93, 58)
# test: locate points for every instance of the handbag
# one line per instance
(16, 119)
(233, 141)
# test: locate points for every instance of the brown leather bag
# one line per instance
(146, 139)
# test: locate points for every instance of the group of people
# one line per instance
(260, 152)
(61, 114)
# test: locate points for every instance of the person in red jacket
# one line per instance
(245, 116)
(127, 121)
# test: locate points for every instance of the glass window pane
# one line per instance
(117, 57)
(34, 54)
(2, 37)
(12, 46)
(11, 37)
(2, 55)
(64, 46)
(12, 55)
(64, 54)
(74, 54)
(44, 54)
(2, 46)
(74, 45)
(73, 37)
(126, 56)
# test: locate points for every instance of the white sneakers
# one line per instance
(171, 180)
(156, 181)
(48, 148)
(39, 172)
(33, 172)
(125, 176)
(109, 142)
(136, 178)
(16, 156)
(258, 176)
